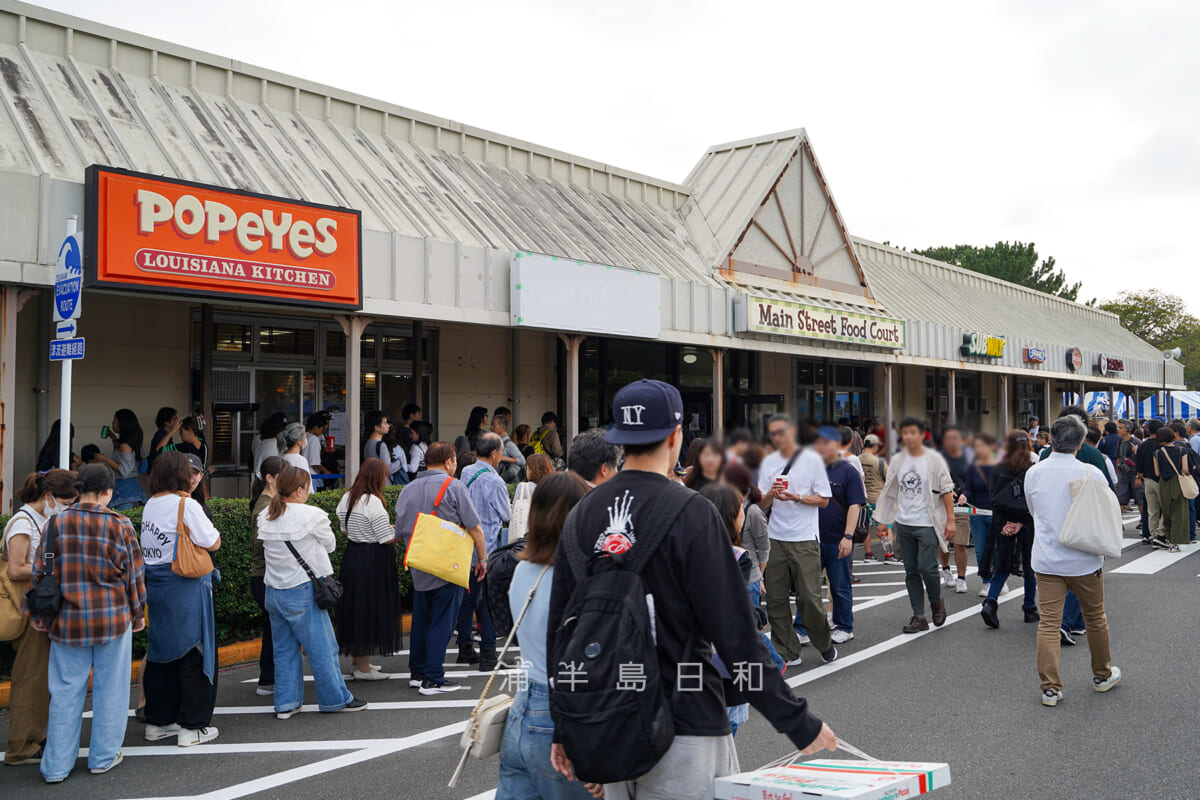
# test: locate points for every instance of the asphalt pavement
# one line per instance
(963, 694)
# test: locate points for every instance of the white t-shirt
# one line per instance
(26, 522)
(912, 507)
(262, 449)
(312, 450)
(298, 460)
(793, 521)
(159, 519)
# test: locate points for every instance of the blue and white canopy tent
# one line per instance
(1184, 405)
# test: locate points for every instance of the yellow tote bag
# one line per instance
(440, 547)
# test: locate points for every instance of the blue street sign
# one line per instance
(66, 330)
(68, 279)
(66, 349)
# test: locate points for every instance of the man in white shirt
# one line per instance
(1060, 568)
(918, 502)
(794, 487)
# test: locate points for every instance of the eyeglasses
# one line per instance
(777, 432)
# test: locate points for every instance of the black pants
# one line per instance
(266, 657)
(179, 692)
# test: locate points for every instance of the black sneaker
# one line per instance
(870, 557)
(1065, 637)
(1032, 615)
(429, 687)
(988, 612)
(467, 655)
(829, 655)
(354, 705)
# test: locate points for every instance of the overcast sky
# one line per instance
(1071, 124)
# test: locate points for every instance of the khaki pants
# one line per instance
(796, 566)
(29, 706)
(1051, 592)
(1154, 515)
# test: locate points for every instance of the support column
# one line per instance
(572, 344)
(1083, 395)
(418, 360)
(1004, 404)
(1131, 411)
(207, 345)
(45, 326)
(353, 327)
(1112, 404)
(718, 425)
(888, 411)
(951, 398)
(516, 380)
(9, 306)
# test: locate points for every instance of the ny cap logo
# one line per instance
(632, 415)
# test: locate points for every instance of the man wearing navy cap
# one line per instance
(838, 520)
(699, 602)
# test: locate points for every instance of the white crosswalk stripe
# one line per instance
(1157, 561)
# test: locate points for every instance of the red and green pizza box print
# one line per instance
(853, 780)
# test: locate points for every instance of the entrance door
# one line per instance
(753, 411)
(697, 412)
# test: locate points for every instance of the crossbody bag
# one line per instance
(326, 591)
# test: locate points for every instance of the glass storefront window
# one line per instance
(286, 341)
(231, 338)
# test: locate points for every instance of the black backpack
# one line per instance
(612, 734)
(1008, 494)
(44, 598)
(501, 565)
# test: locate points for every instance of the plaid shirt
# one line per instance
(98, 563)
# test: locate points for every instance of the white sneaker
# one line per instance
(373, 675)
(287, 714)
(1104, 685)
(1051, 698)
(983, 590)
(960, 586)
(795, 662)
(265, 691)
(117, 759)
(189, 737)
(155, 733)
(840, 636)
(947, 578)
(804, 639)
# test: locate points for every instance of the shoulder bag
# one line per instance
(440, 547)
(485, 726)
(326, 590)
(12, 619)
(1187, 483)
(1093, 523)
(44, 599)
(191, 560)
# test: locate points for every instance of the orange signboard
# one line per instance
(156, 234)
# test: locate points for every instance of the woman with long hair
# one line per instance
(537, 467)
(296, 535)
(47, 457)
(1011, 536)
(754, 530)
(477, 423)
(366, 615)
(267, 443)
(98, 564)
(421, 434)
(706, 462)
(525, 770)
(42, 496)
(126, 434)
(181, 657)
(377, 428)
(260, 497)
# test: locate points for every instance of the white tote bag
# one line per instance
(518, 523)
(1093, 524)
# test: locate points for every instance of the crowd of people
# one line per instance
(709, 531)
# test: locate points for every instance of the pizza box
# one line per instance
(860, 780)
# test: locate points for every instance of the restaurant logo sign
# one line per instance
(1106, 365)
(154, 234)
(982, 345)
(754, 314)
(1035, 355)
(1074, 359)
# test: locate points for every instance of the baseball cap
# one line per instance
(871, 440)
(195, 463)
(829, 432)
(645, 412)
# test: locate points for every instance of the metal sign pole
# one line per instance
(64, 425)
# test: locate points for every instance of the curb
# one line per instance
(230, 655)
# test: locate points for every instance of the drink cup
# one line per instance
(329, 443)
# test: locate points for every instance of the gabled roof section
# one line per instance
(74, 92)
(762, 206)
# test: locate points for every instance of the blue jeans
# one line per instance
(841, 594)
(474, 603)
(525, 770)
(1192, 519)
(69, 668)
(433, 616)
(1004, 548)
(755, 590)
(297, 622)
(1072, 613)
(980, 527)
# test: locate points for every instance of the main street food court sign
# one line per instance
(149, 233)
(753, 314)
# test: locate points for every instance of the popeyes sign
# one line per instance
(157, 234)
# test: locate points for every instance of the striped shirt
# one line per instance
(367, 522)
(98, 563)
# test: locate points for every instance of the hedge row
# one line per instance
(238, 617)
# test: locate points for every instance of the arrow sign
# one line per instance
(66, 330)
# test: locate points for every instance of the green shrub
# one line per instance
(238, 616)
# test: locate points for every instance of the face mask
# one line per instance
(54, 507)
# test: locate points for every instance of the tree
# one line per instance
(1163, 320)
(1015, 262)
